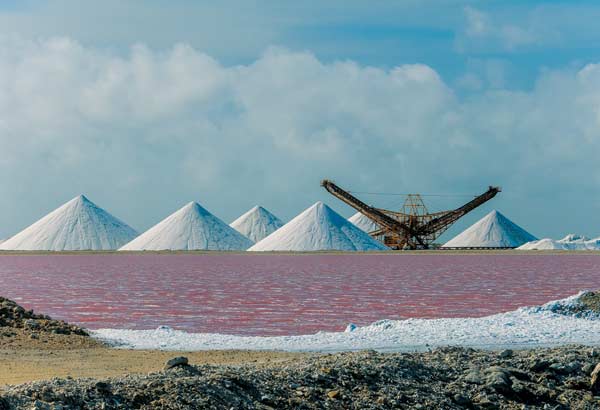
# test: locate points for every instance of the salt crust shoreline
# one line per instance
(555, 323)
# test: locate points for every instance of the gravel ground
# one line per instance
(448, 378)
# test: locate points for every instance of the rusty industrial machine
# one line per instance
(413, 227)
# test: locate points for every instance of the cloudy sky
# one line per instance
(146, 105)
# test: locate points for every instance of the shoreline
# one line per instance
(299, 253)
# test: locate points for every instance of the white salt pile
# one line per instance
(571, 242)
(257, 224)
(363, 222)
(316, 229)
(492, 231)
(77, 225)
(190, 228)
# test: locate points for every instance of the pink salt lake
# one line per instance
(285, 294)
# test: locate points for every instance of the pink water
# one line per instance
(285, 294)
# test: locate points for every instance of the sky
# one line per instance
(144, 106)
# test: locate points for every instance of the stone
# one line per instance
(32, 324)
(176, 361)
(539, 365)
(102, 387)
(587, 368)
(595, 382)
(461, 400)
(505, 354)
(474, 377)
(499, 381)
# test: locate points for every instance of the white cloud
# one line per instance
(483, 32)
(146, 132)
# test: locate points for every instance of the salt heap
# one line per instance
(316, 229)
(77, 225)
(363, 222)
(257, 224)
(190, 228)
(571, 242)
(492, 231)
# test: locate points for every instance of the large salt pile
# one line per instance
(190, 228)
(363, 222)
(77, 225)
(492, 231)
(257, 224)
(571, 242)
(316, 229)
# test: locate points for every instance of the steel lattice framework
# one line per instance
(413, 227)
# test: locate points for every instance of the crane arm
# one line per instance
(374, 214)
(441, 223)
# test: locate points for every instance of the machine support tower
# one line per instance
(413, 227)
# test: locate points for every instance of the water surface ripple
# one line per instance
(285, 294)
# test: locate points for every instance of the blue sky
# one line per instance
(144, 106)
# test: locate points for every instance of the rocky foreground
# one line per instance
(446, 378)
(14, 316)
(449, 378)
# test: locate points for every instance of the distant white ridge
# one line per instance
(363, 222)
(492, 231)
(77, 225)
(318, 228)
(257, 224)
(571, 242)
(190, 228)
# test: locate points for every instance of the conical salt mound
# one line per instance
(77, 225)
(318, 228)
(257, 224)
(190, 228)
(363, 222)
(492, 231)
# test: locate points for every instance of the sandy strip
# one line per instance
(27, 356)
(25, 365)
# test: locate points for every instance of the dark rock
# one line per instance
(539, 365)
(102, 387)
(176, 362)
(461, 400)
(499, 381)
(595, 382)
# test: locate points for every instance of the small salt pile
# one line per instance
(190, 228)
(257, 224)
(363, 222)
